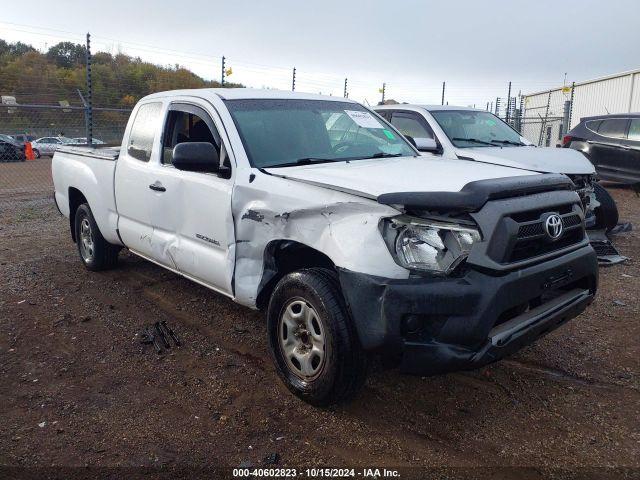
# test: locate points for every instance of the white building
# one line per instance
(619, 93)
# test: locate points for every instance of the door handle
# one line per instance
(157, 187)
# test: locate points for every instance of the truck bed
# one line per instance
(102, 152)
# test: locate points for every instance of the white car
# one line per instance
(83, 141)
(478, 135)
(47, 146)
(319, 212)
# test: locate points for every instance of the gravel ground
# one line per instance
(80, 391)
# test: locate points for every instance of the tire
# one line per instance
(341, 371)
(95, 252)
(36, 152)
(607, 213)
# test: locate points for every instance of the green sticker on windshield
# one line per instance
(389, 134)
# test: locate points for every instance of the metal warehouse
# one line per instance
(548, 114)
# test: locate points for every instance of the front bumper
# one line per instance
(435, 325)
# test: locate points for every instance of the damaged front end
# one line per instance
(586, 192)
(485, 278)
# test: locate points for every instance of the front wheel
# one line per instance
(36, 153)
(312, 340)
(95, 252)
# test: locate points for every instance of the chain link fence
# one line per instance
(47, 127)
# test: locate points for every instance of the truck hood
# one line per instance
(374, 177)
(543, 160)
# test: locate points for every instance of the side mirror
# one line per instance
(196, 157)
(426, 144)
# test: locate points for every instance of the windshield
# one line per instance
(476, 129)
(291, 132)
(7, 138)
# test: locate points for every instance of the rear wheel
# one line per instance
(312, 340)
(607, 213)
(95, 252)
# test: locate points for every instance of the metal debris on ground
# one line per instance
(159, 335)
(605, 250)
(621, 228)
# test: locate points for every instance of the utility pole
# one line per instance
(222, 76)
(443, 86)
(487, 106)
(89, 105)
(293, 80)
(508, 115)
(346, 95)
(497, 106)
(384, 89)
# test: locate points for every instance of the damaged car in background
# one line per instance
(323, 215)
(480, 136)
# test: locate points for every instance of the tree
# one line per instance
(67, 54)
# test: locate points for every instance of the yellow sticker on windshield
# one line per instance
(389, 134)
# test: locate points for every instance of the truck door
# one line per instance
(191, 217)
(134, 177)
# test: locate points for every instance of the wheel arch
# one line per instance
(285, 256)
(76, 198)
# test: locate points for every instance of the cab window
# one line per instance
(187, 123)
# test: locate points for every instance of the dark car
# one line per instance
(612, 143)
(11, 150)
(23, 138)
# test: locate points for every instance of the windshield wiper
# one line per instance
(303, 161)
(474, 140)
(509, 142)
(385, 155)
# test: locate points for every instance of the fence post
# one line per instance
(443, 86)
(544, 122)
(293, 80)
(89, 100)
(573, 89)
(508, 115)
(346, 95)
(384, 89)
(222, 75)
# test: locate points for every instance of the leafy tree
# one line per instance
(67, 54)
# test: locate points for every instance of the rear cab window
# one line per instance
(143, 131)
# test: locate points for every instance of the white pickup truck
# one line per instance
(477, 135)
(318, 211)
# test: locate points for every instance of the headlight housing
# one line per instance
(428, 245)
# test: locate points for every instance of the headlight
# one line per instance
(426, 245)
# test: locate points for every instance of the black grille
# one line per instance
(534, 247)
(532, 239)
(530, 230)
(536, 229)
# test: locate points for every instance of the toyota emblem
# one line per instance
(553, 226)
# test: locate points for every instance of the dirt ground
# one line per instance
(79, 390)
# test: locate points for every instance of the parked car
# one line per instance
(478, 135)
(83, 141)
(352, 243)
(11, 150)
(611, 143)
(23, 138)
(46, 146)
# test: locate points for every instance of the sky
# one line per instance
(476, 47)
